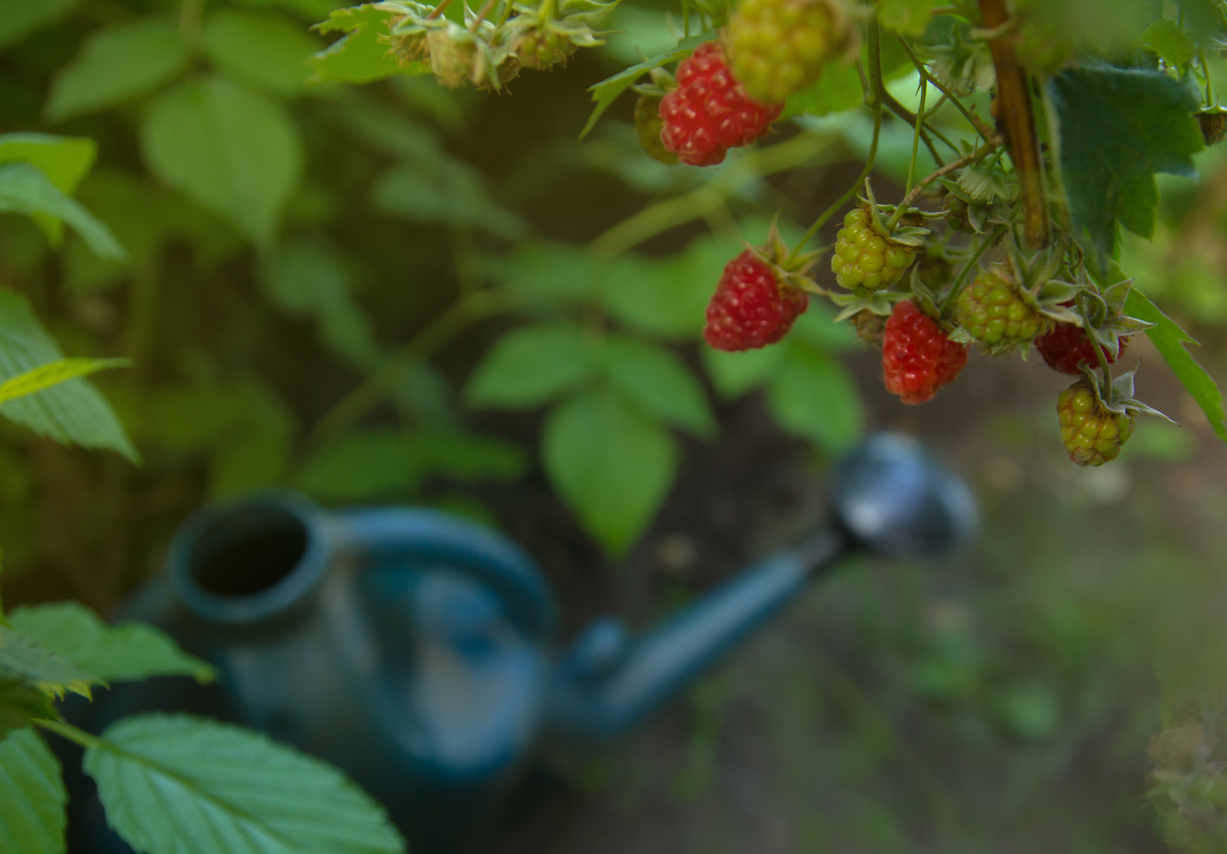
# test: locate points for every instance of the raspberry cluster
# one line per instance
(1091, 434)
(710, 112)
(863, 258)
(917, 356)
(751, 306)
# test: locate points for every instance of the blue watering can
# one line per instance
(417, 651)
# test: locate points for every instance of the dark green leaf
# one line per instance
(21, 702)
(838, 89)
(20, 18)
(467, 457)
(266, 50)
(361, 465)
(234, 151)
(71, 412)
(64, 159)
(124, 652)
(363, 54)
(172, 783)
(734, 374)
(259, 455)
(26, 189)
(447, 191)
(659, 382)
(1170, 340)
(32, 795)
(116, 64)
(813, 396)
(548, 274)
(530, 366)
(908, 17)
(1118, 128)
(306, 279)
(610, 464)
(24, 658)
(1170, 43)
(608, 90)
(663, 297)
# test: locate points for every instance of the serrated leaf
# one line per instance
(26, 189)
(1118, 128)
(531, 366)
(363, 54)
(307, 279)
(231, 150)
(123, 652)
(54, 373)
(1170, 340)
(21, 702)
(610, 464)
(268, 51)
(116, 64)
(983, 184)
(1170, 43)
(22, 657)
(360, 465)
(32, 795)
(812, 396)
(608, 90)
(20, 18)
(71, 412)
(220, 789)
(659, 382)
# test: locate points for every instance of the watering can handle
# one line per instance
(645, 674)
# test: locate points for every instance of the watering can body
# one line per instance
(417, 651)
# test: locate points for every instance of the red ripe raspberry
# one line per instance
(917, 357)
(1067, 347)
(709, 112)
(751, 307)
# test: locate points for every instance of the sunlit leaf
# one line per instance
(53, 373)
(26, 189)
(362, 55)
(659, 382)
(530, 366)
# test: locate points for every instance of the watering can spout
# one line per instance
(887, 497)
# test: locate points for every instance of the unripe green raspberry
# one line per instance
(992, 309)
(648, 125)
(777, 48)
(864, 259)
(1091, 434)
(541, 48)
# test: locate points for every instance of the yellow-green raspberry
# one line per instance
(1091, 434)
(864, 259)
(993, 311)
(777, 47)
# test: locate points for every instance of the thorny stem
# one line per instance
(458, 317)
(920, 111)
(948, 302)
(972, 118)
(891, 103)
(1017, 121)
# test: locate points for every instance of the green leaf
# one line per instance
(907, 17)
(812, 396)
(53, 373)
(1170, 43)
(447, 191)
(64, 159)
(116, 64)
(664, 297)
(21, 702)
(22, 657)
(838, 89)
(32, 795)
(1169, 339)
(307, 279)
(610, 464)
(361, 465)
(172, 783)
(268, 51)
(530, 366)
(20, 18)
(124, 652)
(659, 382)
(734, 374)
(467, 457)
(608, 90)
(26, 189)
(231, 150)
(71, 412)
(1118, 128)
(362, 55)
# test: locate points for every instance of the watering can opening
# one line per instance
(248, 561)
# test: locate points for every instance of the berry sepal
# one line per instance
(869, 254)
(1097, 415)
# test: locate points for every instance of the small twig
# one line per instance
(971, 117)
(980, 153)
(920, 111)
(439, 10)
(481, 15)
(948, 302)
(1017, 122)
